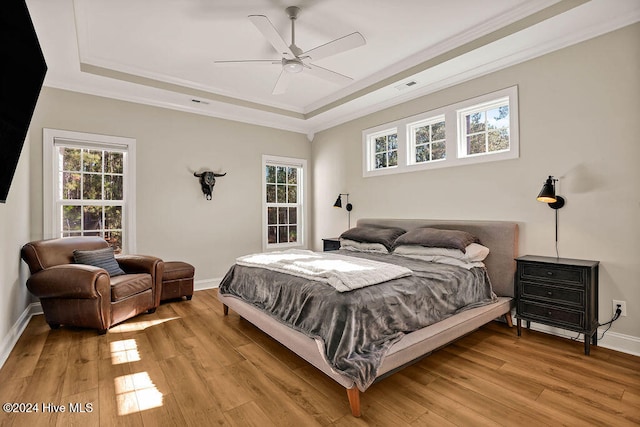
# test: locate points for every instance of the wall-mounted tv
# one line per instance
(22, 72)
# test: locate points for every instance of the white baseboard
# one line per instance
(200, 285)
(611, 340)
(10, 340)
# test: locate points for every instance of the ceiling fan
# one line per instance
(295, 60)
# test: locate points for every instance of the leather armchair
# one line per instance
(84, 295)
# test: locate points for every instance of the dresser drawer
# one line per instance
(569, 296)
(551, 315)
(552, 273)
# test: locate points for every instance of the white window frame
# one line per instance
(455, 155)
(301, 204)
(483, 107)
(371, 147)
(51, 179)
(411, 137)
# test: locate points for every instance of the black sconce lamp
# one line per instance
(548, 195)
(348, 206)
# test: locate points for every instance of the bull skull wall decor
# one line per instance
(208, 181)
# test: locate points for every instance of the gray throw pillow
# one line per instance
(383, 235)
(437, 238)
(103, 258)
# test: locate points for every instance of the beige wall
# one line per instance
(174, 221)
(14, 232)
(578, 121)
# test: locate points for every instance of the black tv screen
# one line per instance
(22, 72)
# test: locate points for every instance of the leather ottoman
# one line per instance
(177, 280)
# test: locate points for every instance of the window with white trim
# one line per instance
(482, 129)
(427, 140)
(383, 147)
(283, 202)
(87, 187)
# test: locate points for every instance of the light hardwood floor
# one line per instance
(186, 364)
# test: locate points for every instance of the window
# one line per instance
(385, 148)
(427, 140)
(482, 129)
(485, 128)
(283, 195)
(87, 187)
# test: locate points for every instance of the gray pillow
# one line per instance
(103, 258)
(383, 235)
(437, 238)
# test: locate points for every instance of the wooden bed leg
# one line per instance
(509, 319)
(225, 309)
(354, 400)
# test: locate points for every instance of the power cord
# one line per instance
(615, 317)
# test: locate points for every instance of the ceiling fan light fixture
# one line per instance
(292, 65)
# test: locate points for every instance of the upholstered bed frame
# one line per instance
(502, 240)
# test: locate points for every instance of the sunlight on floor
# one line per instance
(124, 351)
(139, 326)
(136, 392)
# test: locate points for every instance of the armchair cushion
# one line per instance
(103, 258)
(124, 286)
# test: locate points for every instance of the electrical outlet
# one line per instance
(623, 307)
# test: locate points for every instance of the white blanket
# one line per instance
(344, 273)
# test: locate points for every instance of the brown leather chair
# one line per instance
(84, 295)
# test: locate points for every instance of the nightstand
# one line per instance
(331, 244)
(558, 292)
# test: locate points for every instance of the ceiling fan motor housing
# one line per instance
(292, 65)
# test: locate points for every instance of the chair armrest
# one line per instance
(70, 281)
(145, 264)
(138, 263)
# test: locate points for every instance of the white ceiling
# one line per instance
(162, 52)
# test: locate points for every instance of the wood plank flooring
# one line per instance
(188, 365)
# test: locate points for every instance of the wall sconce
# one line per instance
(548, 195)
(348, 206)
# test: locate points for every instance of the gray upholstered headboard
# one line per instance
(501, 237)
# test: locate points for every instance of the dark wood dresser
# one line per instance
(558, 292)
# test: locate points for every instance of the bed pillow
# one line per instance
(386, 236)
(437, 238)
(103, 258)
(474, 252)
(352, 245)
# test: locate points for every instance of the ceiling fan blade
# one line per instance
(267, 29)
(249, 62)
(328, 75)
(336, 46)
(282, 84)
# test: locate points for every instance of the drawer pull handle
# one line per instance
(549, 273)
(549, 313)
(549, 293)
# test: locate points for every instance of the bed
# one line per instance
(402, 346)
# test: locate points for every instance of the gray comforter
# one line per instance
(358, 327)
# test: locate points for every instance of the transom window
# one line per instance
(88, 182)
(428, 140)
(485, 128)
(283, 201)
(386, 149)
(482, 129)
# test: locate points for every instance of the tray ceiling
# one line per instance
(163, 53)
